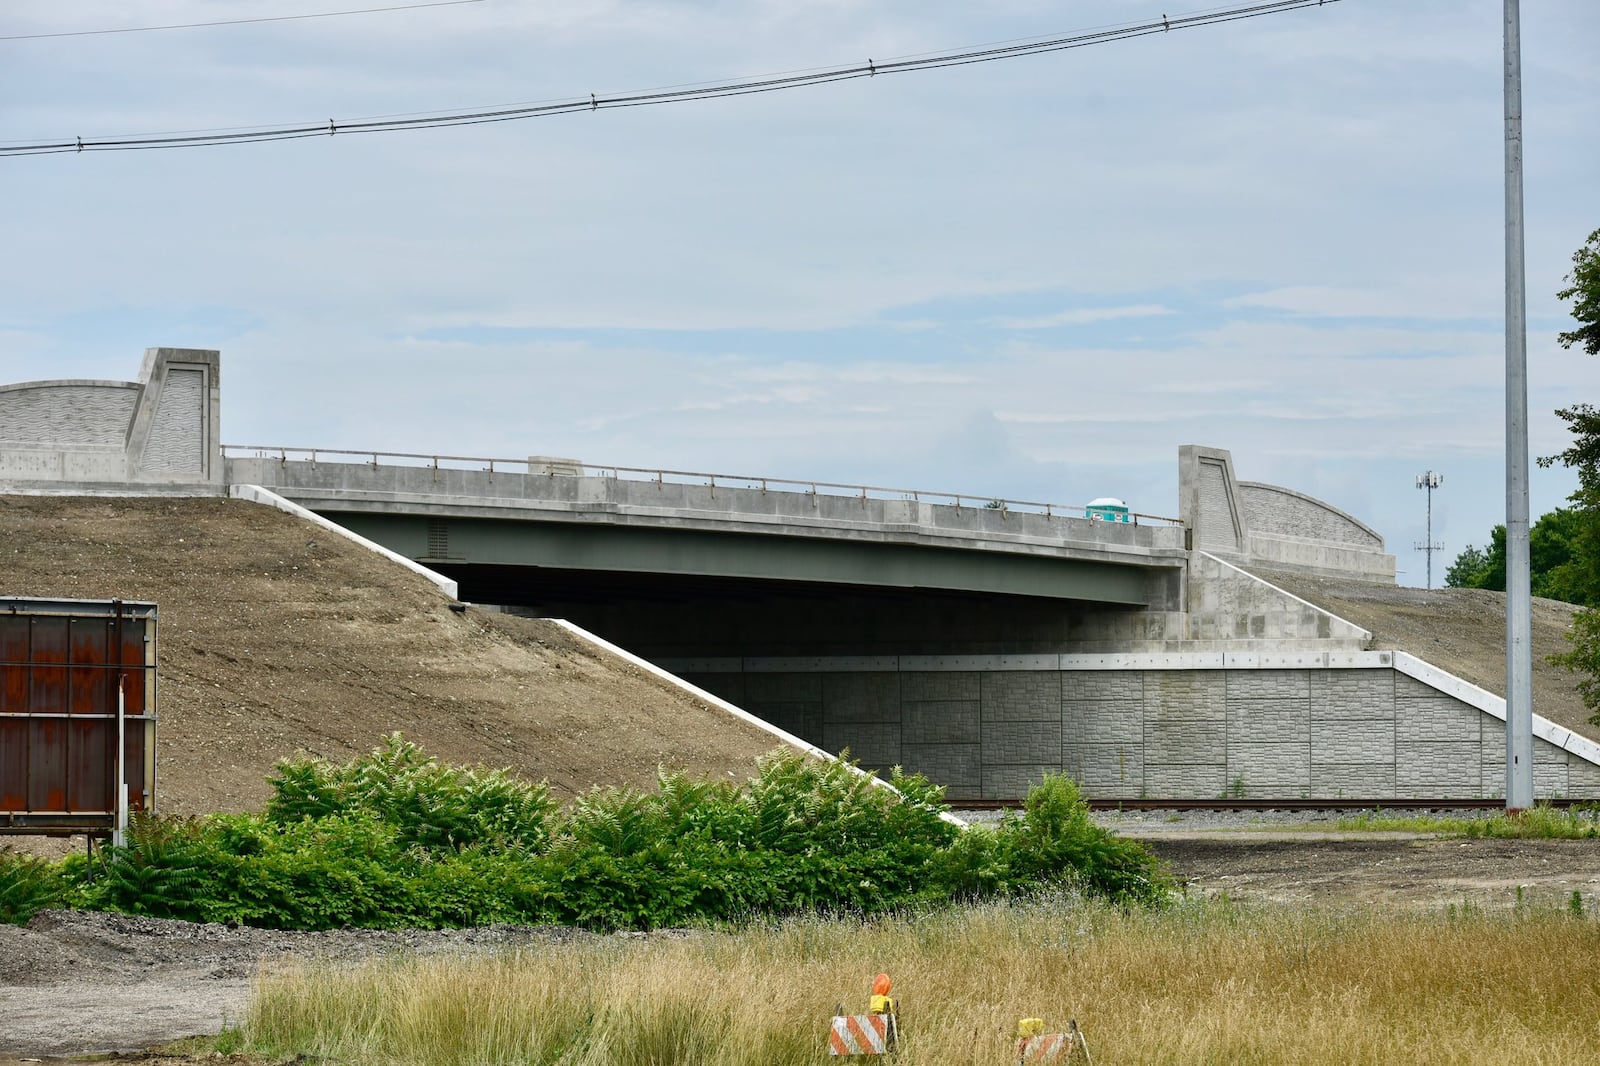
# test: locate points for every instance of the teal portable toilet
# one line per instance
(1108, 509)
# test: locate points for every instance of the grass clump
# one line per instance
(397, 839)
(1541, 822)
(1197, 982)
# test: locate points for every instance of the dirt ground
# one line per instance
(276, 636)
(72, 983)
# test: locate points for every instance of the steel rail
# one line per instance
(1370, 803)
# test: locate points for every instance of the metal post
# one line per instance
(1519, 642)
(119, 835)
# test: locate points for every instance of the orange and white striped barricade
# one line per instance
(862, 1034)
(1037, 1047)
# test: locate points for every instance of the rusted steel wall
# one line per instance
(62, 663)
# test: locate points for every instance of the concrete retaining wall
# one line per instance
(158, 433)
(1330, 725)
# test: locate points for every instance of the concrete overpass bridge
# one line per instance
(674, 562)
(981, 642)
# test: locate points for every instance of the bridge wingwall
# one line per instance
(158, 434)
(1253, 524)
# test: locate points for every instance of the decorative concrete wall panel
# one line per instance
(1269, 684)
(1022, 696)
(1185, 782)
(1331, 780)
(804, 720)
(861, 697)
(1346, 741)
(1427, 770)
(1494, 747)
(1106, 769)
(944, 722)
(955, 766)
(1018, 742)
(1352, 693)
(1185, 694)
(1583, 776)
(1091, 722)
(1185, 741)
(1276, 721)
(1269, 770)
(1437, 719)
(874, 746)
(1102, 685)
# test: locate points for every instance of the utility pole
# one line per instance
(1430, 481)
(1519, 606)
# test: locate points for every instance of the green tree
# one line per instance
(1471, 567)
(1583, 289)
(1579, 576)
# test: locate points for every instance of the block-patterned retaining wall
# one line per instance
(1361, 725)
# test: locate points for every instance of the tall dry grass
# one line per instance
(1200, 983)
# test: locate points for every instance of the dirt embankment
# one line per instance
(1459, 630)
(277, 636)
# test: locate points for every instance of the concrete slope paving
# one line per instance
(277, 636)
(1459, 630)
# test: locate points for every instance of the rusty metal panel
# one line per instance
(62, 665)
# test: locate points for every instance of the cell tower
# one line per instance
(1430, 481)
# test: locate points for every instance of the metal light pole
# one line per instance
(1430, 481)
(1519, 633)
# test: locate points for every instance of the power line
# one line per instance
(695, 92)
(234, 22)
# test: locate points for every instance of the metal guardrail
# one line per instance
(559, 467)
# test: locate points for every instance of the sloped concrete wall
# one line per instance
(158, 433)
(1332, 725)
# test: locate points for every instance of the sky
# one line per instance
(1032, 279)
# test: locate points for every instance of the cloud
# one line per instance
(1410, 301)
(1082, 316)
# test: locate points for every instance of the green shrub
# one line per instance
(396, 838)
(430, 805)
(1055, 841)
(28, 885)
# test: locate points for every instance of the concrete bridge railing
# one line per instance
(441, 467)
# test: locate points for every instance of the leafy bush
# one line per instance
(396, 838)
(29, 884)
(1056, 841)
(430, 805)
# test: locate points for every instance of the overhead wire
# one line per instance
(694, 92)
(234, 22)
